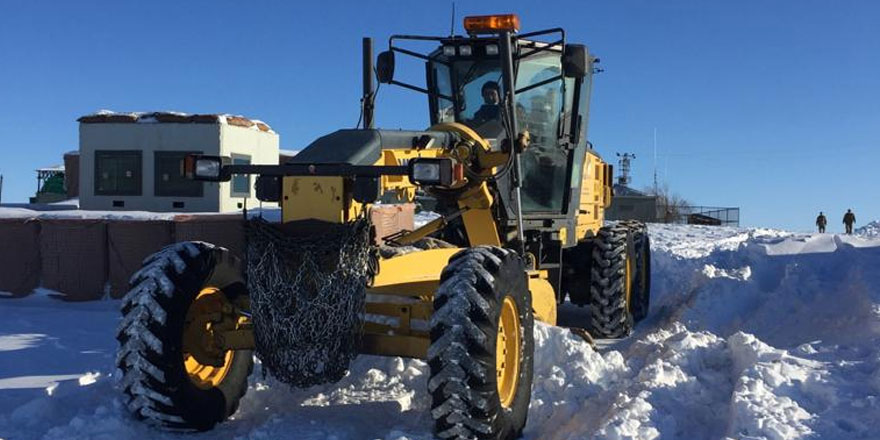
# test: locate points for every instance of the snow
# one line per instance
(150, 118)
(752, 334)
(871, 230)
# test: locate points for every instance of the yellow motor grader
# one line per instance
(520, 197)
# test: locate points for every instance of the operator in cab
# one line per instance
(491, 108)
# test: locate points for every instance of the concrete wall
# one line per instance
(71, 174)
(262, 148)
(213, 139)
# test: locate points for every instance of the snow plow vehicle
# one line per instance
(520, 195)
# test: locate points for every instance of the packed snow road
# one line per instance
(752, 334)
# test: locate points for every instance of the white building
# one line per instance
(134, 161)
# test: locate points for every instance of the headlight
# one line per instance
(491, 49)
(449, 51)
(465, 50)
(431, 171)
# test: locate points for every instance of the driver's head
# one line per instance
(491, 93)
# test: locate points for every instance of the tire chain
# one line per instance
(308, 299)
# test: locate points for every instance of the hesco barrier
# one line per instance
(19, 256)
(128, 244)
(221, 230)
(73, 255)
(87, 259)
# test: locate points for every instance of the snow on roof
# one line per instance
(290, 153)
(165, 117)
(53, 168)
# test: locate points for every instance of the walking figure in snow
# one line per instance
(848, 219)
(821, 221)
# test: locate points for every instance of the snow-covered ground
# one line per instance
(753, 333)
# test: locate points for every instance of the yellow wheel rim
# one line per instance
(627, 283)
(209, 302)
(507, 352)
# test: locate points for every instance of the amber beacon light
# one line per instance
(485, 24)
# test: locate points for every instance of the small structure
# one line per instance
(134, 161)
(50, 185)
(630, 204)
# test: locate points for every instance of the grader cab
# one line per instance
(520, 197)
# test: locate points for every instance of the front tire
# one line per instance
(482, 346)
(165, 321)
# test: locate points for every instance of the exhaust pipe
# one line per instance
(369, 91)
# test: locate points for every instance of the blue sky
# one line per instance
(770, 106)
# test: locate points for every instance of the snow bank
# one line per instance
(757, 334)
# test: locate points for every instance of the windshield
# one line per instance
(478, 88)
(479, 93)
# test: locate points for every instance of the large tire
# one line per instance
(641, 296)
(155, 381)
(475, 393)
(611, 282)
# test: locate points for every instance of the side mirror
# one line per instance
(574, 61)
(385, 67)
(206, 168)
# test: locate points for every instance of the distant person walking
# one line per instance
(821, 221)
(848, 219)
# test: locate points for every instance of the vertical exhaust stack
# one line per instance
(367, 100)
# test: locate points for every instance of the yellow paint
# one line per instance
(595, 197)
(627, 281)
(543, 297)
(507, 352)
(320, 198)
(478, 219)
(414, 274)
(395, 345)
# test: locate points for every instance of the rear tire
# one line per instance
(642, 285)
(482, 346)
(155, 381)
(611, 282)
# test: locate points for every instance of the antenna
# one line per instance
(655, 160)
(625, 160)
(452, 21)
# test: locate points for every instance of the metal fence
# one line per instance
(698, 215)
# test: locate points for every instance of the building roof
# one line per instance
(622, 190)
(107, 116)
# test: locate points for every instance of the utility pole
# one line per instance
(1, 188)
(625, 161)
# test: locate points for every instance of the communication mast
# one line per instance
(625, 160)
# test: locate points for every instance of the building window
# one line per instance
(241, 183)
(170, 179)
(118, 173)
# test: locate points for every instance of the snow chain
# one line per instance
(307, 299)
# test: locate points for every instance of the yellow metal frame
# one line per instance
(416, 276)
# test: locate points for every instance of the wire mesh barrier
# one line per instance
(308, 298)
